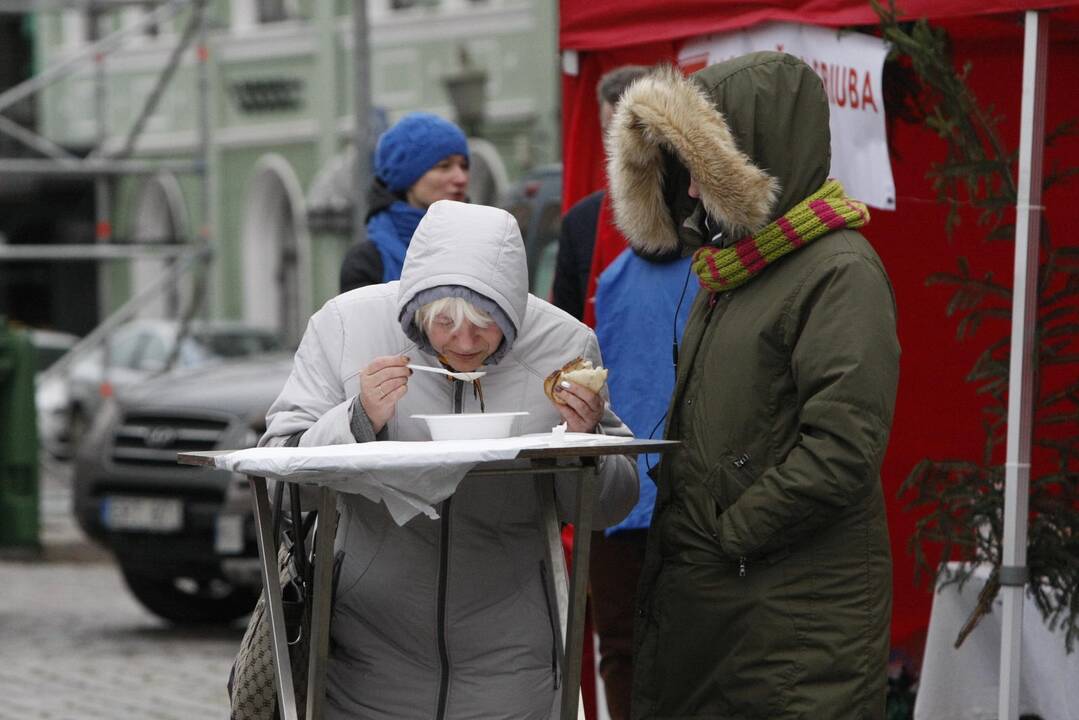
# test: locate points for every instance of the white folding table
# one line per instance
(964, 683)
(543, 462)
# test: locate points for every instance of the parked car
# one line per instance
(182, 535)
(137, 350)
(50, 346)
(536, 201)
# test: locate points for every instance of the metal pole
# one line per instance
(158, 90)
(1013, 569)
(102, 186)
(318, 650)
(207, 235)
(24, 7)
(271, 592)
(94, 168)
(34, 141)
(97, 251)
(200, 285)
(361, 64)
(582, 541)
(325, 106)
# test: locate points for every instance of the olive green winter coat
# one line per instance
(766, 591)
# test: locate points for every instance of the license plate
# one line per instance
(146, 514)
(229, 538)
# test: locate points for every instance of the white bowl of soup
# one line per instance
(471, 426)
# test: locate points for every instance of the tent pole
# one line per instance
(361, 133)
(1014, 573)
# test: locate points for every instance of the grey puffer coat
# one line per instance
(454, 617)
(766, 589)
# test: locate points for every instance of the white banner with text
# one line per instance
(850, 65)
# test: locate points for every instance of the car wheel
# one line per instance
(189, 600)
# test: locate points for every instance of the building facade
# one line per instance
(279, 109)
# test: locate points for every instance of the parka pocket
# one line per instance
(730, 476)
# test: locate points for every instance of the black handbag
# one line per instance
(251, 686)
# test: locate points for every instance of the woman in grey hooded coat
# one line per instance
(449, 617)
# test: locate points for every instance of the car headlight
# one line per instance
(51, 397)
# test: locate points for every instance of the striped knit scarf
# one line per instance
(828, 209)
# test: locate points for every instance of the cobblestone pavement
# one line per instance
(74, 644)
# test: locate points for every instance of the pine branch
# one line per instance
(959, 503)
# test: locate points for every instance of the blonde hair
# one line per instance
(456, 309)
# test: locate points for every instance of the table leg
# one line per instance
(321, 599)
(271, 584)
(582, 540)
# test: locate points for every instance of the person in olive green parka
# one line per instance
(766, 588)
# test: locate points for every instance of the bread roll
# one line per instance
(579, 372)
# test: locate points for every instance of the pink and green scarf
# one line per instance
(828, 209)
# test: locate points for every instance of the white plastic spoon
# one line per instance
(455, 375)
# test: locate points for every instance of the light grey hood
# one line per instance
(474, 246)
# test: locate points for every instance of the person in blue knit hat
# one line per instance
(421, 159)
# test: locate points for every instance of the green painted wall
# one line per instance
(279, 90)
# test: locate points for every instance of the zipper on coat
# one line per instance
(740, 462)
(443, 571)
(443, 579)
(552, 620)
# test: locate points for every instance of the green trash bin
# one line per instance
(19, 524)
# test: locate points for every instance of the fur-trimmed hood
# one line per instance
(753, 131)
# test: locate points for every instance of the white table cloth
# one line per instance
(409, 477)
(963, 684)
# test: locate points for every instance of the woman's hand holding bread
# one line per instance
(574, 390)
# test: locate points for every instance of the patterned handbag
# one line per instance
(251, 682)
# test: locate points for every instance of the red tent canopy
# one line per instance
(604, 34)
(938, 414)
(607, 24)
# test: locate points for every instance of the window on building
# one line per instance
(246, 14)
(407, 4)
(131, 16)
(75, 27)
(271, 11)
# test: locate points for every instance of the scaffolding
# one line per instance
(187, 254)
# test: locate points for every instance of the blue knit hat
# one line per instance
(417, 143)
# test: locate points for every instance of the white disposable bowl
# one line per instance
(470, 426)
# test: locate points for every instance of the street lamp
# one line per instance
(467, 89)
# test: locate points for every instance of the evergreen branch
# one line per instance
(1056, 176)
(959, 504)
(1067, 128)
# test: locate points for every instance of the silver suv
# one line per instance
(135, 351)
(183, 536)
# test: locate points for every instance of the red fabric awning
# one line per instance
(607, 24)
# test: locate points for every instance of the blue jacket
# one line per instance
(636, 302)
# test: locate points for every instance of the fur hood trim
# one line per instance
(666, 110)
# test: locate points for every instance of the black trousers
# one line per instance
(614, 567)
